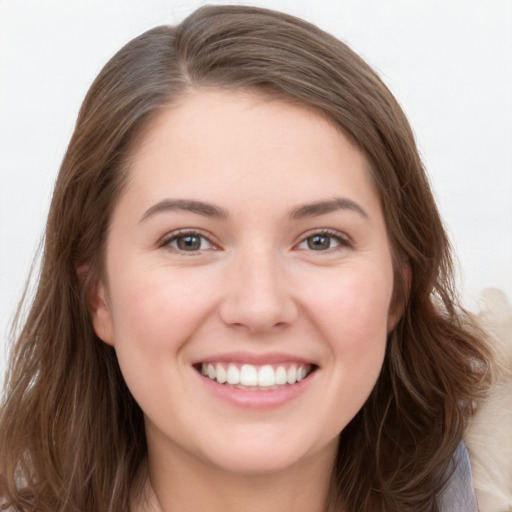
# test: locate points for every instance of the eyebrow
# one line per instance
(328, 206)
(209, 210)
(185, 205)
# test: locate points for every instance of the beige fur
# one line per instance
(489, 436)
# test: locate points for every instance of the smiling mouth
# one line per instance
(265, 377)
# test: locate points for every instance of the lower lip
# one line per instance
(248, 399)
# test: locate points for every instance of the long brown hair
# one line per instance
(71, 435)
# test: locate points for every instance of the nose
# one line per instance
(258, 295)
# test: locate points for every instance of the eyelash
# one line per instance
(175, 236)
(342, 240)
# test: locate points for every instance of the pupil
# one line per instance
(319, 242)
(189, 243)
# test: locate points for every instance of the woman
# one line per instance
(245, 301)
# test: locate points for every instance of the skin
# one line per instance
(255, 287)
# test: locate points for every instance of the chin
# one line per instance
(248, 465)
(253, 454)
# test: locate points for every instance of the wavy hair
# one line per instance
(71, 435)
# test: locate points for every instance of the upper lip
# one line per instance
(254, 359)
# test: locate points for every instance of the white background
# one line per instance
(449, 62)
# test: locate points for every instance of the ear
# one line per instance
(400, 297)
(100, 313)
(97, 303)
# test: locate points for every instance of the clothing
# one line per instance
(459, 496)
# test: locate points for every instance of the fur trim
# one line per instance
(489, 435)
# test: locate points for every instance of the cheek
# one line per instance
(352, 312)
(354, 308)
(152, 321)
(349, 310)
(157, 309)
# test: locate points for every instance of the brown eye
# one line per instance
(188, 242)
(319, 242)
(325, 241)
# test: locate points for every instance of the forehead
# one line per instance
(212, 134)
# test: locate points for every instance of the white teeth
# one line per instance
(233, 376)
(248, 375)
(222, 376)
(266, 376)
(281, 376)
(292, 374)
(301, 373)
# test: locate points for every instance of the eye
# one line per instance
(188, 241)
(323, 241)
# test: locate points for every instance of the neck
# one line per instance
(191, 485)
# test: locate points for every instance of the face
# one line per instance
(248, 283)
